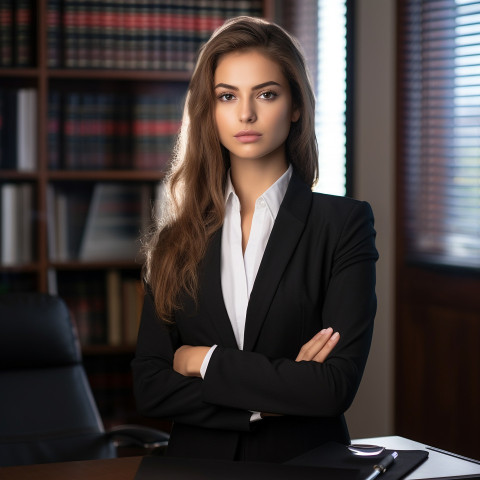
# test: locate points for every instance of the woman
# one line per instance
(260, 300)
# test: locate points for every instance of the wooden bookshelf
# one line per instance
(36, 274)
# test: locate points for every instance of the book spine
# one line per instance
(23, 33)
(10, 101)
(9, 253)
(6, 33)
(108, 25)
(120, 34)
(114, 307)
(177, 14)
(140, 132)
(70, 16)
(54, 38)
(132, 300)
(2, 121)
(158, 36)
(25, 223)
(71, 135)
(95, 33)
(203, 23)
(82, 35)
(51, 225)
(167, 27)
(129, 26)
(85, 297)
(78, 201)
(61, 226)
(122, 137)
(110, 116)
(143, 34)
(53, 130)
(26, 130)
(189, 33)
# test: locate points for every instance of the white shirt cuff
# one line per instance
(203, 368)
(256, 416)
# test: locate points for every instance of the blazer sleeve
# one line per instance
(163, 393)
(253, 381)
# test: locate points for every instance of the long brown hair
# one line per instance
(194, 205)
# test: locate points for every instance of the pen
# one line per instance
(383, 465)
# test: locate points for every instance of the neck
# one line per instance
(251, 179)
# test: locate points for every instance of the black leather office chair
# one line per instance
(47, 411)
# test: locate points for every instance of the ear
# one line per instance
(295, 115)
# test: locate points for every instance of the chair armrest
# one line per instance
(139, 435)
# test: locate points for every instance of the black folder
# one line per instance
(334, 454)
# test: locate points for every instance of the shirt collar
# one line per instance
(273, 196)
(229, 190)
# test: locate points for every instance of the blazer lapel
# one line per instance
(281, 245)
(212, 292)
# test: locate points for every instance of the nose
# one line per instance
(247, 111)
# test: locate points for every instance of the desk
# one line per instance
(438, 465)
(115, 469)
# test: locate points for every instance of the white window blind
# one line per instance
(440, 130)
(321, 27)
(331, 90)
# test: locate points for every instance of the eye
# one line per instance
(268, 95)
(226, 97)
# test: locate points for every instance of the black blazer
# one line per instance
(318, 270)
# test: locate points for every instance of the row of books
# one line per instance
(113, 130)
(17, 33)
(101, 222)
(16, 215)
(135, 34)
(18, 129)
(105, 306)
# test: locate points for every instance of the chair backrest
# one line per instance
(47, 411)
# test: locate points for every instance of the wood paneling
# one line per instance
(438, 359)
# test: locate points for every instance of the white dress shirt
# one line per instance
(238, 270)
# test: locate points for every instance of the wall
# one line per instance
(374, 155)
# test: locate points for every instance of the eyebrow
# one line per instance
(256, 87)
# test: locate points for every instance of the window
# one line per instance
(440, 130)
(321, 27)
(331, 91)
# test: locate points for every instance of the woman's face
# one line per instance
(253, 109)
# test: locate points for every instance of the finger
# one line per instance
(314, 345)
(322, 355)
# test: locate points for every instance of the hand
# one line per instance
(188, 360)
(319, 347)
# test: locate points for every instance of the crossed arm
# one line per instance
(188, 360)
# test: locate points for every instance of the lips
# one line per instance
(248, 136)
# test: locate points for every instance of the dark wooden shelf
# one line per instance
(101, 175)
(81, 265)
(18, 175)
(19, 72)
(91, 350)
(137, 75)
(20, 268)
